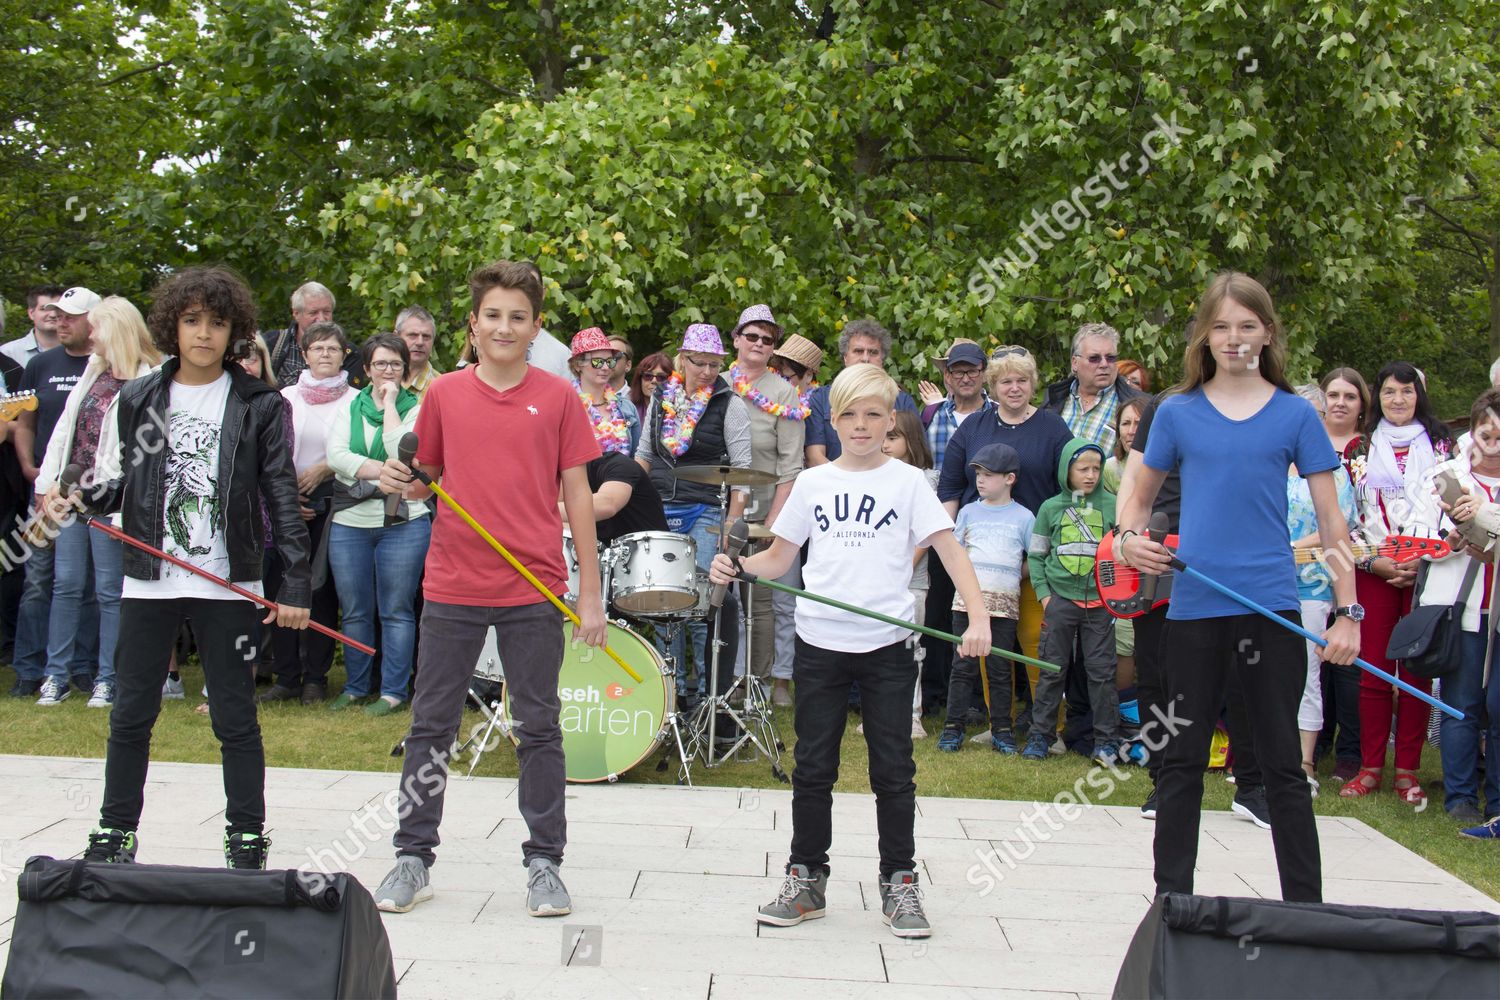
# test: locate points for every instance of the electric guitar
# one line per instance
(13, 404)
(1128, 593)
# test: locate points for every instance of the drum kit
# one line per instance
(610, 723)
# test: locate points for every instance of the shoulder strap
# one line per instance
(1468, 584)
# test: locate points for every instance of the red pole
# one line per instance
(114, 532)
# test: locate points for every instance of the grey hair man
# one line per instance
(312, 303)
(863, 341)
(1088, 399)
(418, 329)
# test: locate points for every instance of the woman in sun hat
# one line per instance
(616, 423)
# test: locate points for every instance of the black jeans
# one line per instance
(228, 638)
(1271, 664)
(304, 656)
(1341, 712)
(938, 614)
(824, 678)
(964, 679)
(1148, 691)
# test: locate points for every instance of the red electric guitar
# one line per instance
(1128, 594)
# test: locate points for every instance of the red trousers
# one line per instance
(1384, 604)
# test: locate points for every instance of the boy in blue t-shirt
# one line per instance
(995, 531)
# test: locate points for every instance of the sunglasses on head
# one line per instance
(599, 364)
(1007, 351)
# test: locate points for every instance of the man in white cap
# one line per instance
(52, 375)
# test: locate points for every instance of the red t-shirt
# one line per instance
(502, 455)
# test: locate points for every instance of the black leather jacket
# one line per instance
(255, 459)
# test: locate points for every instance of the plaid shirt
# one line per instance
(1096, 424)
(944, 423)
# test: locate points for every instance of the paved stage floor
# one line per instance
(665, 882)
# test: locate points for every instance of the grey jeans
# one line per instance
(530, 642)
(1060, 623)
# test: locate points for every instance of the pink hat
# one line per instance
(703, 338)
(592, 339)
(758, 313)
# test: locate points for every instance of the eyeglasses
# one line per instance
(760, 338)
(1095, 359)
(1003, 352)
(709, 364)
(655, 376)
(965, 374)
(599, 364)
(387, 366)
(325, 349)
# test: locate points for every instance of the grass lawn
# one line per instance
(316, 738)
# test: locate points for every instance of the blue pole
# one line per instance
(1179, 565)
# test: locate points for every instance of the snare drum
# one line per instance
(610, 723)
(651, 573)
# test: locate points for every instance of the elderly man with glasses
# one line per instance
(1087, 400)
(963, 374)
(863, 341)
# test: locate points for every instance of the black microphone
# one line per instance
(406, 452)
(739, 534)
(1157, 532)
(67, 480)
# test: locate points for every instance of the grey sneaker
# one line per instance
(546, 896)
(405, 887)
(901, 906)
(803, 896)
(172, 690)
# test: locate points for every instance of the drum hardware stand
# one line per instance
(494, 720)
(675, 719)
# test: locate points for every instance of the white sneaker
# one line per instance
(917, 731)
(103, 696)
(172, 690)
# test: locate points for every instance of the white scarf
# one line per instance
(1383, 472)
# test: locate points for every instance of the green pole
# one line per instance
(935, 633)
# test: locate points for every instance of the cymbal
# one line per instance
(716, 475)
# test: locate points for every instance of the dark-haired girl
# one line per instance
(162, 470)
(1402, 444)
(1232, 427)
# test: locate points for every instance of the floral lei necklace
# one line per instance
(677, 427)
(743, 387)
(610, 429)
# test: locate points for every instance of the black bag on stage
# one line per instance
(127, 930)
(1429, 639)
(1219, 947)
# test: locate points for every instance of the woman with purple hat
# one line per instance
(616, 423)
(695, 418)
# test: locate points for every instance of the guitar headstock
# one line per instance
(13, 404)
(1406, 548)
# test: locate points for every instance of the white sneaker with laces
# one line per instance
(103, 695)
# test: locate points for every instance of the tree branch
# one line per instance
(938, 158)
(137, 72)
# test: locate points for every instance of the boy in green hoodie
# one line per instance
(1064, 542)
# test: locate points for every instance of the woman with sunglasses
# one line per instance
(697, 419)
(616, 423)
(647, 377)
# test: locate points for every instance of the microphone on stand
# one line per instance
(739, 535)
(406, 452)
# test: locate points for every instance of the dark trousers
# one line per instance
(228, 639)
(824, 678)
(965, 679)
(529, 638)
(1341, 712)
(1148, 691)
(304, 656)
(1271, 664)
(1064, 624)
(939, 615)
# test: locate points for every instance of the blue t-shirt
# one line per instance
(1234, 506)
(818, 427)
(1315, 579)
(996, 538)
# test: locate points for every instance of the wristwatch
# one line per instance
(1355, 612)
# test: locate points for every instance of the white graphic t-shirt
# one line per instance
(194, 524)
(863, 527)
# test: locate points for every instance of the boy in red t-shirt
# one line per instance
(502, 437)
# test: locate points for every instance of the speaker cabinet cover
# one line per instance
(99, 930)
(1216, 946)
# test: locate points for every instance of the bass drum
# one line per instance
(610, 723)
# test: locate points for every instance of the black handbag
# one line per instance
(1429, 640)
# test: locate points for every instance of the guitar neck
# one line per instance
(1317, 554)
